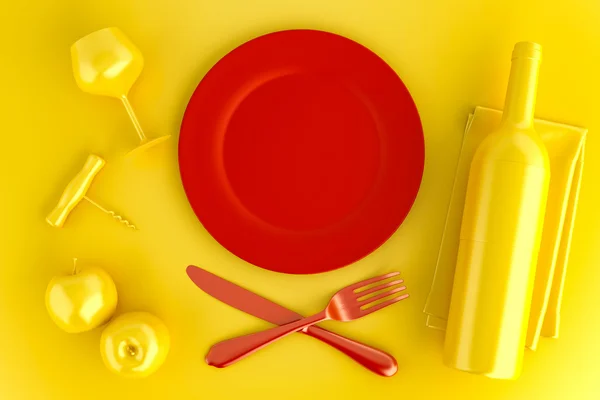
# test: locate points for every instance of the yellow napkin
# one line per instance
(565, 146)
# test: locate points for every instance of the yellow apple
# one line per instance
(135, 344)
(81, 301)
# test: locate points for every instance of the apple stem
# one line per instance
(74, 266)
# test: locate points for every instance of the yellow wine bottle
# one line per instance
(500, 234)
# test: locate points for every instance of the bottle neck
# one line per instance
(519, 107)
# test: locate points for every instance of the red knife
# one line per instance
(244, 300)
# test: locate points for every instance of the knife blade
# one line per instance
(251, 303)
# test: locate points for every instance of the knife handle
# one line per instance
(373, 359)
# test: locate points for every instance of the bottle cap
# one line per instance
(527, 50)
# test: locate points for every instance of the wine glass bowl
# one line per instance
(107, 63)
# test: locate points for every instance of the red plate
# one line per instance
(301, 151)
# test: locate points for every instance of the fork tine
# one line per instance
(372, 280)
(379, 287)
(382, 295)
(383, 305)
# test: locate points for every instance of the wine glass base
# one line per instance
(147, 144)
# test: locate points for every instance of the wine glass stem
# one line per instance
(134, 119)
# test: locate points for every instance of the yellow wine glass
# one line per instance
(107, 63)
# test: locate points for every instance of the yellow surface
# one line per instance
(452, 56)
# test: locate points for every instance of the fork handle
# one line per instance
(230, 351)
(371, 358)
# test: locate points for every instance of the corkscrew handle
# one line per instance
(75, 191)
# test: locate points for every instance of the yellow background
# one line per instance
(452, 55)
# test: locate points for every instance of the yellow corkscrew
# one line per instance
(76, 191)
